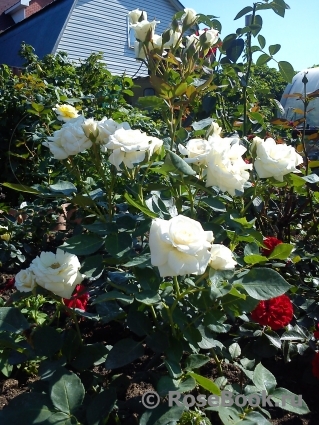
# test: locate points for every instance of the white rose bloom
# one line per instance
(179, 246)
(69, 140)
(274, 160)
(192, 39)
(210, 36)
(214, 130)
(225, 167)
(189, 17)
(90, 128)
(65, 112)
(144, 30)
(175, 38)
(221, 258)
(196, 150)
(25, 280)
(131, 146)
(58, 273)
(139, 49)
(106, 127)
(135, 15)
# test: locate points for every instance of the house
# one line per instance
(79, 27)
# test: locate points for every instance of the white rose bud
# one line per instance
(274, 160)
(179, 246)
(144, 30)
(90, 128)
(221, 258)
(136, 15)
(58, 273)
(25, 280)
(188, 18)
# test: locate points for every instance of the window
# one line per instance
(130, 35)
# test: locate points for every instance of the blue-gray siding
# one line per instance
(101, 25)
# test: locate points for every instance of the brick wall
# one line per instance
(36, 5)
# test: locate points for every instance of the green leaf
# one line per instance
(254, 259)
(124, 352)
(180, 164)
(139, 206)
(281, 252)
(12, 320)
(263, 59)
(118, 244)
(37, 107)
(195, 361)
(162, 415)
(289, 401)
(274, 48)
(91, 354)
(256, 26)
(82, 201)
(263, 284)
(47, 341)
(151, 102)
(263, 379)
(100, 407)
(21, 188)
(243, 12)
(235, 49)
(286, 70)
(261, 41)
(67, 188)
(205, 383)
(67, 391)
(138, 323)
(92, 266)
(148, 297)
(180, 89)
(234, 350)
(84, 244)
(214, 203)
(114, 295)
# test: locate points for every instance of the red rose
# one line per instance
(316, 334)
(271, 242)
(276, 312)
(315, 365)
(79, 298)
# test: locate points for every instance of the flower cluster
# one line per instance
(222, 159)
(275, 313)
(180, 246)
(146, 39)
(125, 145)
(58, 273)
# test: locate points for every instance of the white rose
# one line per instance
(225, 167)
(90, 128)
(65, 112)
(221, 258)
(58, 273)
(69, 140)
(25, 280)
(135, 15)
(214, 130)
(139, 48)
(192, 40)
(175, 39)
(189, 17)
(274, 160)
(196, 150)
(144, 30)
(179, 246)
(131, 146)
(106, 127)
(209, 37)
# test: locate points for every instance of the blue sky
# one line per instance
(297, 32)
